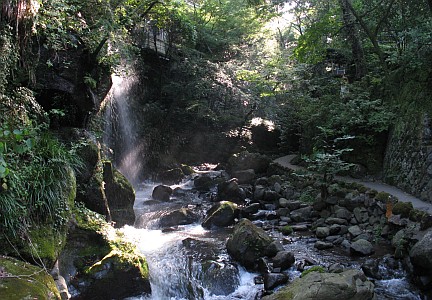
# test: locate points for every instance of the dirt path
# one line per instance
(285, 161)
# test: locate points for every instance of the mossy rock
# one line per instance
(26, 281)
(286, 230)
(120, 195)
(221, 215)
(403, 209)
(248, 243)
(105, 265)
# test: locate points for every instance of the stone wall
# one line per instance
(408, 160)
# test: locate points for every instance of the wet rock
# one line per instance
(248, 243)
(220, 278)
(231, 191)
(320, 245)
(283, 202)
(244, 176)
(274, 248)
(162, 193)
(322, 232)
(182, 216)
(203, 183)
(362, 247)
(251, 209)
(221, 214)
(350, 284)
(120, 195)
(272, 280)
(283, 260)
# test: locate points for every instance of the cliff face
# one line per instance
(408, 160)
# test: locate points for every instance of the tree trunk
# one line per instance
(353, 37)
(372, 34)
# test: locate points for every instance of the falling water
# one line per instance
(120, 132)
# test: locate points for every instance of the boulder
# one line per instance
(350, 284)
(244, 176)
(301, 214)
(322, 232)
(362, 247)
(120, 195)
(182, 216)
(220, 278)
(98, 264)
(320, 245)
(245, 160)
(20, 280)
(421, 255)
(248, 243)
(221, 214)
(231, 191)
(272, 280)
(283, 260)
(203, 183)
(162, 193)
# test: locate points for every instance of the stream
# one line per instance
(190, 262)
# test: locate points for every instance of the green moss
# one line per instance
(45, 243)
(319, 269)
(187, 170)
(286, 230)
(383, 197)
(26, 281)
(89, 220)
(403, 209)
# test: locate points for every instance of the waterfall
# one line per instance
(121, 129)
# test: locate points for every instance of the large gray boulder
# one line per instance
(421, 255)
(350, 284)
(248, 243)
(221, 214)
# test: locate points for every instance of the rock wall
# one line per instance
(408, 160)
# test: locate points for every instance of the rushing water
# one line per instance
(177, 258)
(183, 260)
